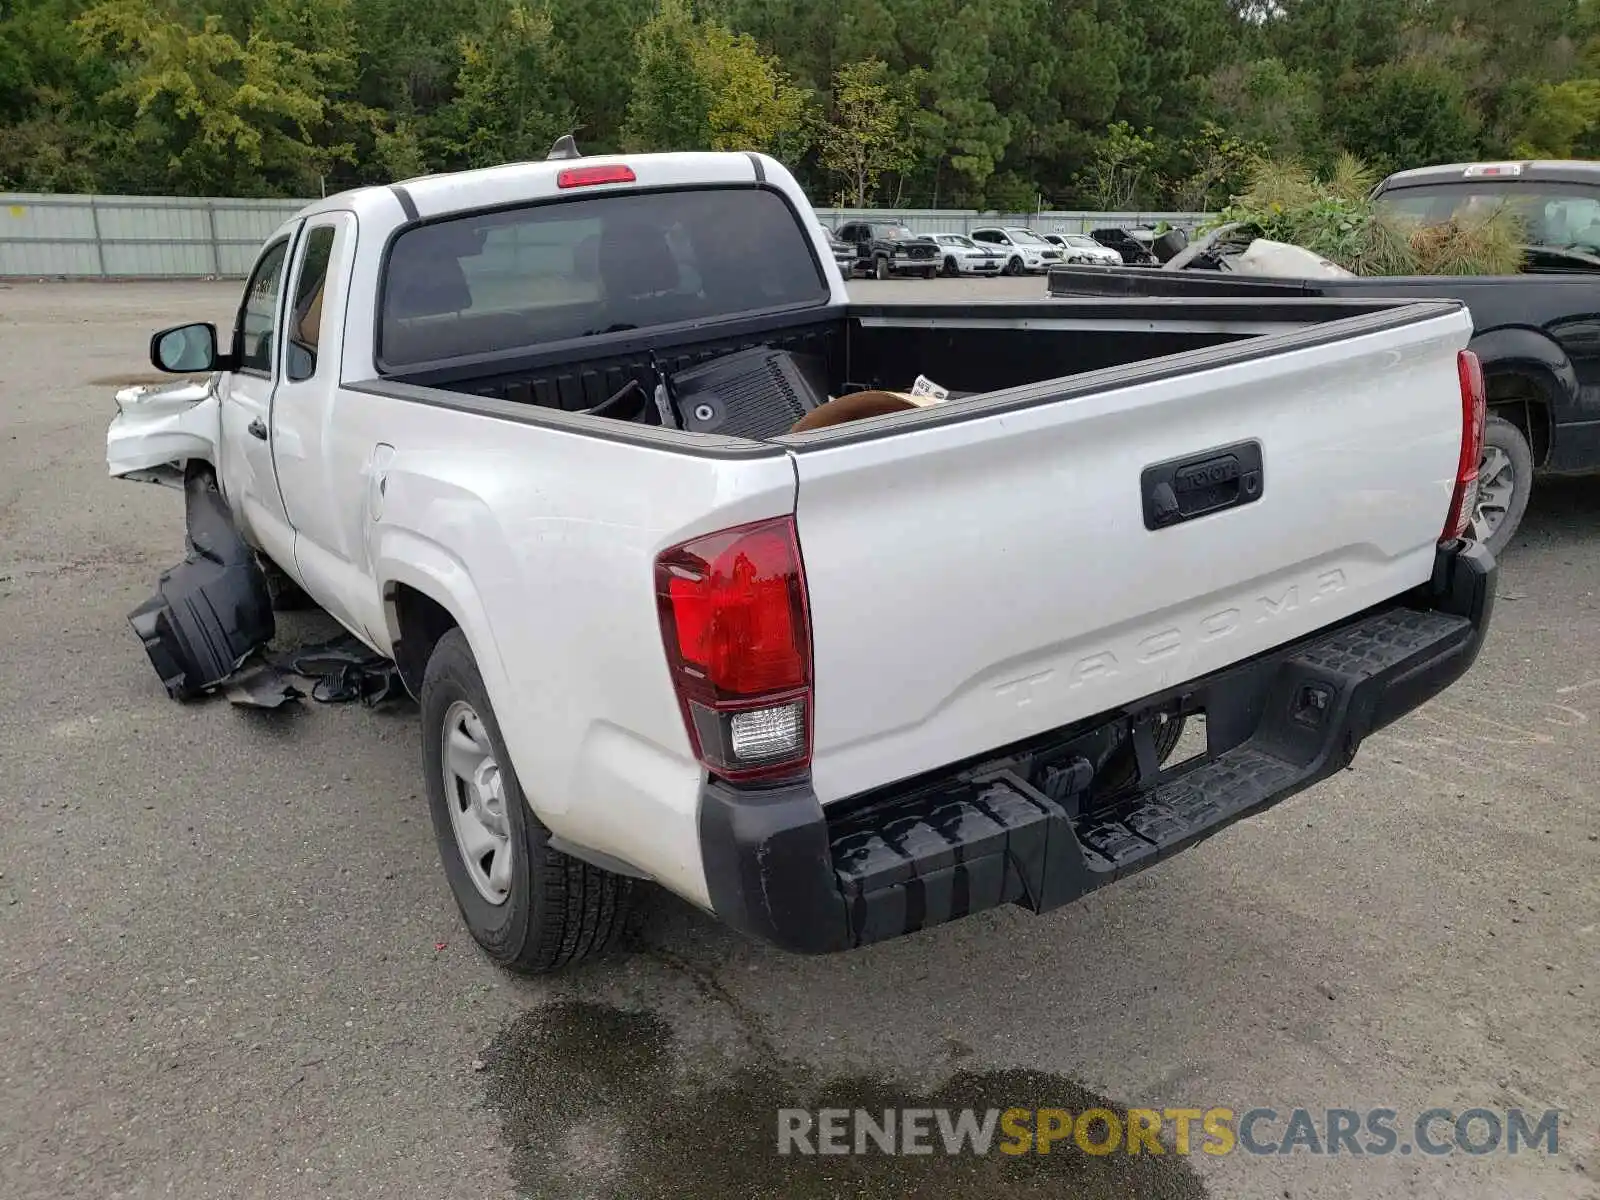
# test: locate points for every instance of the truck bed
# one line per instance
(968, 348)
(1021, 516)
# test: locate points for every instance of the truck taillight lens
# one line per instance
(1474, 404)
(737, 633)
(574, 177)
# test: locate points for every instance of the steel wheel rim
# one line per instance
(475, 794)
(1496, 486)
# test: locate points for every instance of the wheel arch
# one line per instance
(1530, 381)
(427, 592)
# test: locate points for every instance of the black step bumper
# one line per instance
(781, 869)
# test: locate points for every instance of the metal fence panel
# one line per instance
(197, 237)
(141, 237)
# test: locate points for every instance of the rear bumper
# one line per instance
(782, 870)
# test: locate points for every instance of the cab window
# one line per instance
(255, 336)
(305, 316)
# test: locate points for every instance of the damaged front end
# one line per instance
(158, 431)
(211, 611)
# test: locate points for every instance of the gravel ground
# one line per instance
(230, 967)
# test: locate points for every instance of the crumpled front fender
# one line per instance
(158, 430)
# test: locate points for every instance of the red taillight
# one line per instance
(573, 177)
(738, 639)
(1474, 401)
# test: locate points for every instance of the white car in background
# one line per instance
(1081, 248)
(1024, 250)
(963, 256)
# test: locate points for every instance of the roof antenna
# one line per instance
(566, 147)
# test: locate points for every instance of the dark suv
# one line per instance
(1132, 244)
(887, 248)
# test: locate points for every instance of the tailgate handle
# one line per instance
(1182, 489)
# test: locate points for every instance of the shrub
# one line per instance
(1335, 218)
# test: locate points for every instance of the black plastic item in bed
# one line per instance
(755, 393)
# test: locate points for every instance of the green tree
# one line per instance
(752, 103)
(867, 134)
(235, 117)
(505, 109)
(1121, 169)
(700, 86)
(671, 104)
(1265, 101)
(1214, 164)
(1407, 114)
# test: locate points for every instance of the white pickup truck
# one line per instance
(529, 432)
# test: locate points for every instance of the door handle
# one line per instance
(1182, 489)
(257, 429)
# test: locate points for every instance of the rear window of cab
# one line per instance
(555, 270)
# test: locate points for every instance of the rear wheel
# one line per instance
(1505, 478)
(531, 908)
(950, 266)
(880, 268)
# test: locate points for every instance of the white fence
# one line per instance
(185, 237)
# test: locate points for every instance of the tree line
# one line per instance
(990, 104)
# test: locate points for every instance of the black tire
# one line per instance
(931, 273)
(559, 910)
(880, 267)
(1014, 267)
(1122, 770)
(1500, 434)
(285, 593)
(950, 266)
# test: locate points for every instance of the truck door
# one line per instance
(328, 528)
(248, 478)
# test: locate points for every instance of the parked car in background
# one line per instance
(1081, 248)
(844, 254)
(1133, 246)
(888, 248)
(963, 256)
(1024, 249)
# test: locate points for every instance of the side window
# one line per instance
(305, 315)
(983, 235)
(258, 315)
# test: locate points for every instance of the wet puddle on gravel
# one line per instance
(592, 1104)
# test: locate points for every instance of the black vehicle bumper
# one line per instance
(780, 868)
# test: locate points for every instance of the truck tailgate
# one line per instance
(990, 574)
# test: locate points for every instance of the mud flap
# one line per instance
(211, 611)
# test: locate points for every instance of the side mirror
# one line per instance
(185, 349)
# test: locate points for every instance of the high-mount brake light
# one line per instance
(737, 633)
(573, 177)
(1474, 405)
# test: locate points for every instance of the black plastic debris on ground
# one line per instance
(260, 686)
(343, 670)
(212, 611)
(212, 614)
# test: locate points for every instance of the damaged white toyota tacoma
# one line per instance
(692, 586)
